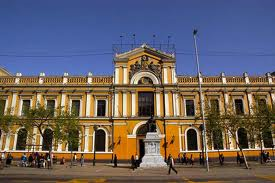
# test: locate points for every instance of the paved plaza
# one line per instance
(106, 173)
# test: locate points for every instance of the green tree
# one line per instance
(213, 128)
(259, 124)
(43, 118)
(232, 122)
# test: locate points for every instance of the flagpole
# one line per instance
(201, 101)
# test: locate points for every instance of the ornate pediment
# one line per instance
(144, 64)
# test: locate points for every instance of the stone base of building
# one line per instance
(152, 157)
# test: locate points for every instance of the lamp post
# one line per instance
(95, 129)
(200, 91)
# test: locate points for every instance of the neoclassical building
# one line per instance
(144, 83)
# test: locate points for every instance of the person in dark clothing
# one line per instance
(184, 159)
(9, 159)
(115, 161)
(133, 163)
(171, 164)
(238, 158)
(201, 159)
(30, 160)
(221, 159)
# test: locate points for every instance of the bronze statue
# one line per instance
(151, 125)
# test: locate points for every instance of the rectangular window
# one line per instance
(51, 106)
(262, 103)
(145, 103)
(190, 107)
(75, 107)
(101, 108)
(2, 106)
(239, 106)
(26, 104)
(214, 104)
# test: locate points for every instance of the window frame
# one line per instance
(96, 106)
(21, 105)
(243, 108)
(185, 108)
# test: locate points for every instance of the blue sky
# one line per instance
(234, 36)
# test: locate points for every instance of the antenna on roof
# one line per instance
(121, 42)
(134, 41)
(168, 43)
(154, 36)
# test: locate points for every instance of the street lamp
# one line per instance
(95, 129)
(200, 91)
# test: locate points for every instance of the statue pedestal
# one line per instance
(152, 157)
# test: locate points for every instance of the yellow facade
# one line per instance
(122, 123)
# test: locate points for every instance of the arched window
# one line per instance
(267, 137)
(73, 140)
(242, 138)
(217, 139)
(142, 130)
(21, 139)
(100, 140)
(47, 139)
(145, 80)
(192, 141)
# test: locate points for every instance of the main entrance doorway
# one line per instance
(141, 148)
(141, 133)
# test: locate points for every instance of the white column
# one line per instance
(158, 102)
(165, 75)
(166, 104)
(177, 104)
(124, 104)
(116, 75)
(88, 104)
(59, 147)
(180, 137)
(38, 99)
(133, 103)
(125, 75)
(273, 97)
(116, 104)
(13, 102)
(63, 97)
(174, 77)
(7, 145)
(250, 105)
(174, 104)
(86, 136)
(1, 140)
(226, 100)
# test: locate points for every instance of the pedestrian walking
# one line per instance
(115, 161)
(238, 158)
(133, 163)
(137, 161)
(171, 164)
(82, 159)
(221, 159)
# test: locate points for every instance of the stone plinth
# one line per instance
(152, 157)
